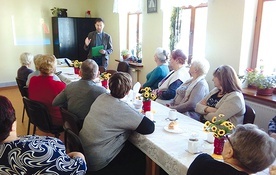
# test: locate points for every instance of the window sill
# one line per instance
(251, 95)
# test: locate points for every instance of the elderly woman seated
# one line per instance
(167, 87)
(248, 150)
(193, 90)
(44, 88)
(161, 70)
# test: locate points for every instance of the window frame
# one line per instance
(138, 34)
(192, 27)
(257, 33)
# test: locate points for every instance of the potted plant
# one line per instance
(60, 12)
(265, 84)
(125, 53)
(251, 76)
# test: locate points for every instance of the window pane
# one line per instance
(132, 28)
(267, 43)
(200, 32)
(185, 31)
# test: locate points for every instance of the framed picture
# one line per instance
(151, 6)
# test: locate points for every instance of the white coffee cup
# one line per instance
(172, 114)
(149, 115)
(210, 137)
(194, 146)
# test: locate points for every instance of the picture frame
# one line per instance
(151, 6)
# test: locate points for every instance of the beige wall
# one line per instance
(224, 41)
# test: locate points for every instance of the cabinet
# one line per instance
(69, 34)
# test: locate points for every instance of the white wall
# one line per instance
(21, 21)
(225, 31)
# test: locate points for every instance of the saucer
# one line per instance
(176, 131)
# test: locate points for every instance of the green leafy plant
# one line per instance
(59, 11)
(264, 82)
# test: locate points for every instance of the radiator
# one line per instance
(263, 114)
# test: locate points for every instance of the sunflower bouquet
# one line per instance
(148, 94)
(105, 76)
(77, 64)
(219, 126)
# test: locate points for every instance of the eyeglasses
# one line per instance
(227, 137)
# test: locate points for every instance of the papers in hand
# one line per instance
(96, 51)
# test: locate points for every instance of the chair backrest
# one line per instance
(123, 66)
(22, 87)
(39, 116)
(249, 115)
(101, 69)
(73, 141)
(70, 121)
(111, 71)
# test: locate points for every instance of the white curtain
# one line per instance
(125, 6)
(180, 3)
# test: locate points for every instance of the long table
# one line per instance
(169, 150)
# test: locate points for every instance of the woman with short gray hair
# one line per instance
(248, 150)
(193, 90)
(160, 72)
(25, 60)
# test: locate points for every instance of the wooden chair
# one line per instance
(23, 91)
(249, 115)
(70, 121)
(111, 71)
(73, 141)
(123, 67)
(39, 116)
(101, 69)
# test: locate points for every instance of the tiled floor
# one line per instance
(13, 94)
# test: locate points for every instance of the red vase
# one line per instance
(77, 70)
(146, 106)
(105, 83)
(218, 145)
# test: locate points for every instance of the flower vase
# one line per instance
(218, 145)
(146, 106)
(105, 83)
(76, 70)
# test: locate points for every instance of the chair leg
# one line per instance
(23, 113)
(57, 135)
(29, 124)
(34, 130)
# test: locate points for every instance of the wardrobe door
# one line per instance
(84, 26)
(65, 40)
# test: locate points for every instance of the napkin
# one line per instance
(136, 89)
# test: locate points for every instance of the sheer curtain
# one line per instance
(133, 6)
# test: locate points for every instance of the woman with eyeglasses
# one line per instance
(160, 72)
(248, 150)
(226, 98)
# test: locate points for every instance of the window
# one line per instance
(193, 31)
(134, 34)
(264, 47)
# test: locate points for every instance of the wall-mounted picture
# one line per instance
(151, 6)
